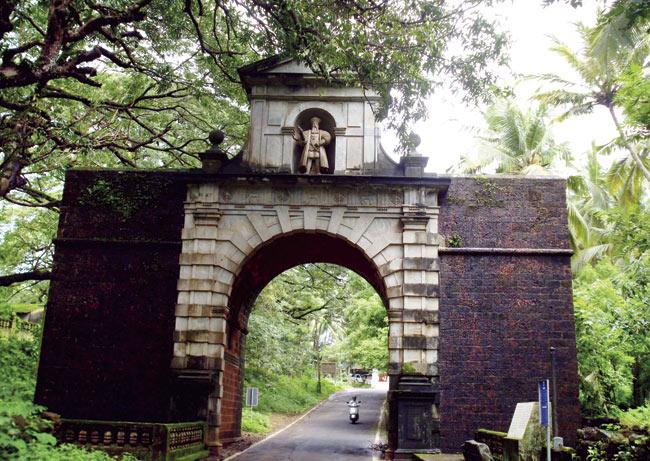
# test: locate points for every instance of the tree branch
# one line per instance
(6, 280)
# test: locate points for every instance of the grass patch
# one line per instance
(24, 308)
(636, 417)
(289, 394)
(284, 394)
(254, 421)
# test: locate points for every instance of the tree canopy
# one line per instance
(139, 84)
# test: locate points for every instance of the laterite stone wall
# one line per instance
(502, 305)
(232, 399)
(110, 316)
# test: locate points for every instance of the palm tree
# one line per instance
(516, 142)
(588, 201)
(610, 49)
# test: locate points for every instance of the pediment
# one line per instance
(275, 65)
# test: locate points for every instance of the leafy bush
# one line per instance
(254, 421)
(637, 417)
(604, 350)
(25, 434)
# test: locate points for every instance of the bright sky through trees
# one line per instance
(452, 125)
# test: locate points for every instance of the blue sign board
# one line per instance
(252, 396)
(543, 402)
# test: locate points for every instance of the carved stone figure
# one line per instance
(314, 158)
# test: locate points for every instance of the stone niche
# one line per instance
(285, 94)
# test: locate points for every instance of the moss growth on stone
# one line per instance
(492, 433)
(488, 193)
(102, 194)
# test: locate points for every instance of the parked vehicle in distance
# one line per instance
(359, 375)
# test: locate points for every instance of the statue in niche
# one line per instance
(314, 158)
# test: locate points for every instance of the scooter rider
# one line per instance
(353, 402)
(354, 409)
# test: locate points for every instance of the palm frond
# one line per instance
(589, 255)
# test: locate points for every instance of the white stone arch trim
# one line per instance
(262, 228)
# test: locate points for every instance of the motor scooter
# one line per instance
(353, 406)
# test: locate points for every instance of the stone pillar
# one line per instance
(414, 330)
(202, 308)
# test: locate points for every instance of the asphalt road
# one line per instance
(325, 433)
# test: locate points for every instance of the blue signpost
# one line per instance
(544, 413)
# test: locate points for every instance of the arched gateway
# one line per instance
(156, 272)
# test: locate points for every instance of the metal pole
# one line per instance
(548, 443)
(554, 401)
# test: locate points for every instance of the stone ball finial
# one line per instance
(216, 137)
(414, 140)
(214, 158)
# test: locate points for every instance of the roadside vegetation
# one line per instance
(287, 395)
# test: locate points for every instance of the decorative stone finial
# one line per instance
(413, 162)
(214, 158)
(216, 137)
(413, 142)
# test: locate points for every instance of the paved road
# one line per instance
(326, 433)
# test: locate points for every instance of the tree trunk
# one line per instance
(637, 394)
(635, 156)
(318, 384)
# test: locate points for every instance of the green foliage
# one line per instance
(516, 142)
(634, 96)
(612, 303)
(254, 421)
(603, 354)
(25, 435)
(315, 311)
(408, 368)
(364, 343)
(146, 92)
(288, 394)
(25, 245)
(455, 240)
(637, 417)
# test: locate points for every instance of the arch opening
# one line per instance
(272, 259)
(292, 249)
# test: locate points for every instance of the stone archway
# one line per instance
(130, 295)
(387, 233)
(263, 265)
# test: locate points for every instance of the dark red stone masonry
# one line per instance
(107, 340)
(499, 314)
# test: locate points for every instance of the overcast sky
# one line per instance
(451, 127)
